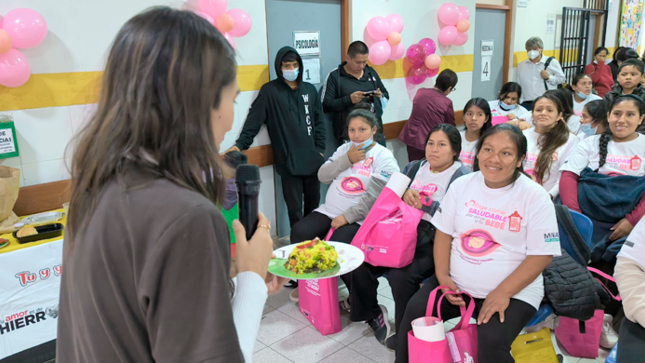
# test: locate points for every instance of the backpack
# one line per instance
(546, 66)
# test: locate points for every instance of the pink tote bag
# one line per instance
(318, 301)
(582, 338)
(460, 342)
(388, 236)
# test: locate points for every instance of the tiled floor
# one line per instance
(286, 336)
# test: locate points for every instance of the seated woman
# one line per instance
(618, 151)
(350, 170)
(630, 278)
(508, 104)
(432, 178)
(600, 72)
(477, 118)
(581, 87)
(594, 119)
(548, 144)
(496, 233)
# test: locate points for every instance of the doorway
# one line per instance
(489, 68)
(284, 17)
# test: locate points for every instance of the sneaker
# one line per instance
(292, 284)
(294, 296)
(345, 305)
(380, 325)
(608, 336)
(390, 342)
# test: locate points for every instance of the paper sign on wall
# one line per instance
(8, 143)
(522, 3)
(486, 69)
(550, 24)
(307, 42)
(311, 72)
(487, 48)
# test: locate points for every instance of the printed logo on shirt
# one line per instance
(305, 98)
(478, 243)
(425, 191)
(487, 216)
(352, 185)
(467, 158)
(552, 237)
(515, 224)
(386, 174)
(364, 168)
(624, 163)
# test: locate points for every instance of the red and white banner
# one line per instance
(29, 294)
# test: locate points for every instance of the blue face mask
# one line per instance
(505, 107)
(383, 102)
(290, 74)
(587, 130)
(582, 95)
(366, 143)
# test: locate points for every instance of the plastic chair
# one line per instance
(585, 227)
(611, 358)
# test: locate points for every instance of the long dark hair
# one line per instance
(364, 111)
(164, 74)
(484, 106)
(606, 136)
(566, 102)
(574, 82)
(598, 111)
(518, 139)
(551, 141)
(454, 137)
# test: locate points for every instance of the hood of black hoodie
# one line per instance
(278, 62)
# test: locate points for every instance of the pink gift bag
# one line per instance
(318, 301)
(460, 344)
(388, 236)
(498, 120)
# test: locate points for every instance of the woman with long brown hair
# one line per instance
(147, 251)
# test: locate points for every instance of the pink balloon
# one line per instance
(230, 39)
(378, 28)
(214, 8)
(380, 52)
(433, 72)
(206, 16)
(5, 42)
(463, 25)
(464, 13)
(416, 55)
(429, 45)
(14, 69)
(433, 61)
(396, 22)
(242, 22)
(449, 14)
(26, 27)
(448, 35)
(416, 75)
(462, 38)
(394, 38)
(396, 51)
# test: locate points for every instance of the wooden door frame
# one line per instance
(509, 29)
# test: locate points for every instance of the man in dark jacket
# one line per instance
(352, 82)
(292, 111)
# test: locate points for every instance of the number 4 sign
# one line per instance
(8, 144)
(486, 69)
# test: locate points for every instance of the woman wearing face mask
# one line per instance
(477, 118)
(600, 72)
(548, 144)
(581, 87)
(492, 241)
(594, 119)
(508, 104)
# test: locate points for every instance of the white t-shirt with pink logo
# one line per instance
(432, 186)
(552, 183)
(623, 158)
(467, 155)
(518, 110)
(349, 186)
(578, 107)
(494, 230)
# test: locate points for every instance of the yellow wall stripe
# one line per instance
(458, 63)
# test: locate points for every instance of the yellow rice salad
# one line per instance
(312, 256)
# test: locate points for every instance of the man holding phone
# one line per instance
(353, 82)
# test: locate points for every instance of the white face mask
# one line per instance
(533, 54)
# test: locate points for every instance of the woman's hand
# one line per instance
(511, 116)
(274, 283)
(496, 302)
(523, 125)
(456, 300)
(412, 198)
(339, 222)
(355, 154)
(255, 254)
(621, 229)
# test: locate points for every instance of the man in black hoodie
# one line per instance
(292, 111)
(353, 82)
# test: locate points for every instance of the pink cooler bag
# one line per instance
(460, 344)
(318, 301)
(582, 338)
(388, 236)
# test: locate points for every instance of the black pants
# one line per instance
(293, 189)
(494, 339)
(527, 105)
(318, 225)
(404, 282)
(631, 345)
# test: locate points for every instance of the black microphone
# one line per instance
(247, 179)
